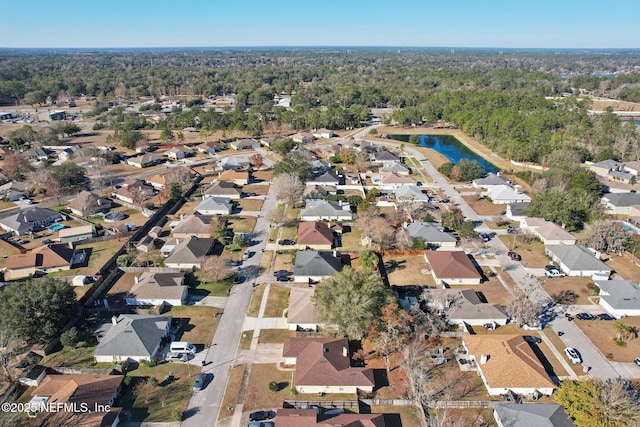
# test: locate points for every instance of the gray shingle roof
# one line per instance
(325, 208)
(622, 294)
(519, 209)
(190, 251)
(527, 415)
(491, 179)
(411, 192)
(215, 204)
(623, 199)
(316, 263)
(133, 335)
(577, 258)
(429, 232)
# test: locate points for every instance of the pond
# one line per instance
(449, 147)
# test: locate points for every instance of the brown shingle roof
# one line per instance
(98, 389)
(301, 308)
(42, 257)
(452, 264)
(314, 233)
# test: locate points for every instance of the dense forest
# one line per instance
(522, 104)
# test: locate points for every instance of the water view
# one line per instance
(449, 147)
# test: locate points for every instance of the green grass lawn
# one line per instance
(79, 357)
(214, 289)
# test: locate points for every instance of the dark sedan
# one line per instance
(585, 316)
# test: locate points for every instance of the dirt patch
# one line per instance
(601, 335)
(263, 176)
(484, 206)
(407, 270)
(577, 285)
(232, 391)
(623, 267)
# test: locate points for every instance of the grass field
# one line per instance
(232, 392)
(274, 336)
(277, 301)
(256, 300)
(200, 323)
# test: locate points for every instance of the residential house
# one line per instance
(620, 298)
(325, 210)
(291, 417)
(490, 181)
(506, 363)
(133, 191)
(323, 133)
(224, 189)
(145, 160)
(384, 158)
(410, 193)
(315, 235)
(632, 167)
(327, 178)
(391, 180)
(178, 153)
(304, 152)
(245, 144)
(614, 171)
(87, 204)
(620, 203)
(239, 178)
(214, 206)
(146, 244)
(323, 366)
(548, 232)
(431, 233)
(193, 226)
(189, 253)
(23, 222)
(576, 260)
(37, 154)
(527, 415)
(302, 137)
(517, 211)
(266, 141)
(465, 306)
(210, 147)
(79, 391)
(132, 337)
(45, 259)
(314, 266)
(302, 315)
(503, 194)
(14, 190)
(169, 245)
(76, 234)
(318, 192)
(452, 268)
(235, 163)
(157, 289)
(331, 150)
(398, 168)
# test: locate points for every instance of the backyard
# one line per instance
(407, 270)
(484, 206)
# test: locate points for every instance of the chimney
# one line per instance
(484, 358)
(136, 280)
(345, 352)
(114, 320)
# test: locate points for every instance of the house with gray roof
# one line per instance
(223, 189)
(613, 171)
(576, 260)
(504, 194)
(318, 192)
(517, 211)
(25, 221)
(245, 144)
(527, 415)
(325, 210)
(188, 254)
(215, 206)
(314, 266)
(133, 337)
(384, 158)
(193, 225)
(619, 297)
(620, 203)
(396, 167)
(157, 289)
(431, 233)
(465, 306)
(234, 162)
(13, 190)
(145, 160)
(410, 193)
(490, 180)
(326, 178)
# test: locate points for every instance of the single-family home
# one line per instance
(323, 365)
(239, 178)
(37, 154)
(576, 260)
(452, 268)
(133, 192)
(224, 189)
(326, 178)
(214, 206)
(318, 192)
(87, 204)
(177, 153)
(384, 158)
(396, 167)
(159, 181)
(490, 180)
(431, 233)
(235, 163)
(325, 210)
(465, 306)
(547, 231)
(632, 167)
(507, 363)
(614, 171)
(304, 152)
(391, 180)
(76, 234)
(517, 211)
(331, 150)
(210, 147)
(189, 253)
(157, 289)
(14, 190)
(133, 337)
(145, 160)
(410, 193)
(619, 297)
(45, 259)
(86, 393)
(302, 137)
(23, 222)
(527, 415)
(315, 235)
(504, 194)
(620, 203)
(323, 133)
(292, 417)
(314, 266)
(193, 225)
(245, 144)
(146, 244)
(303, 314)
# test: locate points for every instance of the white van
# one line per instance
(182, 347)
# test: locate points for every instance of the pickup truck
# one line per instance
(551, 273)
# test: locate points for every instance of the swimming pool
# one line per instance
(56, 227)
(630, 228)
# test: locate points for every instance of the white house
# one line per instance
(215, 206)
(503, 194)
(577, 260)
(619, 297)
(158, 288)
(323, 133)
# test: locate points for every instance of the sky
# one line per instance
(224, 23)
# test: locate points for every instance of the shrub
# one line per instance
(177, 414)
(69, 338)
(273, 386)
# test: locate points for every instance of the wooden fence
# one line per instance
(342, 404)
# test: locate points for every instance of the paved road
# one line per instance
(204, 405)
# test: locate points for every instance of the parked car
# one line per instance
(514, 256)
(554, 273)
(585, 316)
(550, 267)
(573, 355)
(484, 236)
(604, 316)
(532, 339)
(238, 279)
(511, 229)
(261, 424)
(280, 273)
(261, 415)
(283, 278)
(234, 262)
(199, 384)
(27, 201)
(286, 242)
(637, 361)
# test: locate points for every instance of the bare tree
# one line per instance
(420, 372)
(182, 176)
(393, 332)
(290, 188)
(55, 188)
(7, 353)
(38, 180)
(214, 269)
(606, 235)
(523, 310)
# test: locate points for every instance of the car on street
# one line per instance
(280, 273)
(512, 230)
(283, 278)
(573, 355)
(585, 316)
(261, 415)
(604, 316)
(261, 424)
(484, 236)
(286, 242)
(238, 279)
(514, 256)
(199, 384)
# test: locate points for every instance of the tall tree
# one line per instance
(293, 164)
(290, 188)
(16, 166)
(214, 269)
(393, 331)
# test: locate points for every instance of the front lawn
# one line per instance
(258, 395)
(232, 391)
(242, 224)
(199, 323)
(251, 204)
(275, 336)
(407, 270)
(256, 300)
(277, 301)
